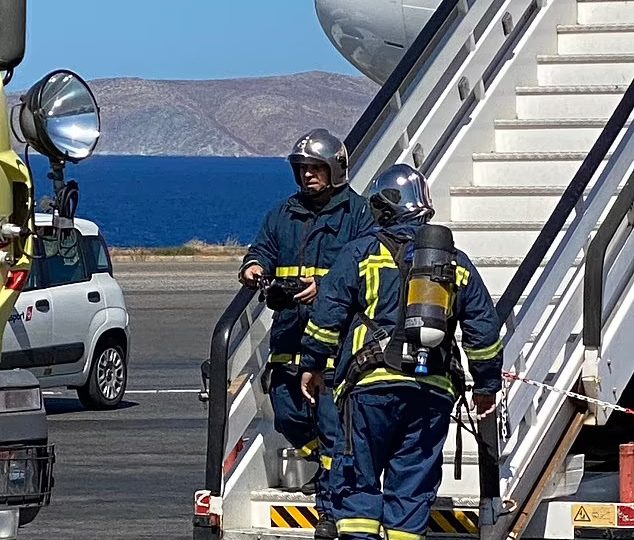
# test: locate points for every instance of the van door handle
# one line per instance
(94, 297)
(43, 306)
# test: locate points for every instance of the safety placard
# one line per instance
(625, 515)
(594, 515)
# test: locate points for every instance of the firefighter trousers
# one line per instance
(396, 431)
(312, 432)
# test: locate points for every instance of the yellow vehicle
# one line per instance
(59, 118)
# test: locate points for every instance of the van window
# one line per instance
(63, 261)
(35, 277)
(97, 254)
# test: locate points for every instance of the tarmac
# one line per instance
(131, 473)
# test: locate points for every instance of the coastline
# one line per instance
(186, 253)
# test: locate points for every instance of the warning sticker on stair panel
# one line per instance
(625, 515)
(594, 515)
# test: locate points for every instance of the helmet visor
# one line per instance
(401, 187)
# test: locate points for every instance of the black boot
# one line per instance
(326, 528)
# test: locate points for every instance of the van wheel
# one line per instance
(108, 378)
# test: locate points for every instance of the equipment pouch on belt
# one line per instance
(368, 358)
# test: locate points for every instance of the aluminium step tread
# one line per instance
(517, 191)
(278, 495)
(553, 123)
(605, 58)
(531, 156)
(506, 261)
(505, 226)
(571, 89)
(595, 27)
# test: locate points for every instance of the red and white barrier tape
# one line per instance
(574, 395)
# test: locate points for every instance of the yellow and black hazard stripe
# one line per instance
(294, 517)
(453, 521)
(441, 521)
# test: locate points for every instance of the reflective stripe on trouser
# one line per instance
(282, 358)
(398, 430)
(327, 421)
(293, 416)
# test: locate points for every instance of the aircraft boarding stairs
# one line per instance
(498, 103)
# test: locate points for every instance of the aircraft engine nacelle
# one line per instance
(374, 34)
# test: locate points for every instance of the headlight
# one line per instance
(59, 117)
(20, 399)
(9, 520)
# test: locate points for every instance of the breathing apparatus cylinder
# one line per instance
(430, 291)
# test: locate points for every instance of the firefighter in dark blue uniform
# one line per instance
(395, 405)
(299, 240)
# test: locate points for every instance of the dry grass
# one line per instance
(194, 248)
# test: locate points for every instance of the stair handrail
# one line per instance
(593, 288)
(568, 202)
(218, 377)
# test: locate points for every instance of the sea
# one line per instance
(141, 201)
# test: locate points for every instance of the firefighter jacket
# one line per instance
(366, 279)
(297, 242)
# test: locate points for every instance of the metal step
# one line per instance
(580, 69)
(497, 272)
(592, 101)
(276, 513)
(513, 168)
(504, 203)
(604, 11)
(548, 135)
(495, 238)
(595, 38)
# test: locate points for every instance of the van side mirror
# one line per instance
(12, 33)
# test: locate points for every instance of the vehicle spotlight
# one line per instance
(59, 117)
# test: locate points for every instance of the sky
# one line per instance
(175, 39)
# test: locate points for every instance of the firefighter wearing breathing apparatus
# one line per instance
(296, 246)
(392, 303)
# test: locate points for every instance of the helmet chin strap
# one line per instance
(317, 199)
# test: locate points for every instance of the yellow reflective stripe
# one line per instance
(326, 462)
(402, 535)
(295, 271)
(484, 354)
(383, 375)
(308, 448)
(439, 381)
(322, 334)
(330, 363)
(284, 358)
(337, 392)
(370, 268)
(311, 271)
(358, 525)
(379, 375)
(462, 276)
(287, 271)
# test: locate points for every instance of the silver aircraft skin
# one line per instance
(374, 34)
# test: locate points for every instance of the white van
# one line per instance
(70, 324)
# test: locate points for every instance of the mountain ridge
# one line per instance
(258, 116)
